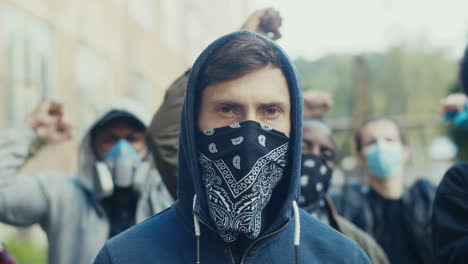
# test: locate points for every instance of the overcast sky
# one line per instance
(313, 28)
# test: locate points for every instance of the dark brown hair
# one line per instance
(357, 134)
(242, 54)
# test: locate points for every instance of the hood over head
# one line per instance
(87, 158)
(190, 181)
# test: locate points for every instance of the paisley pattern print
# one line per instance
(262, 140)
(315, 180)
(234, 216)
(212, 148)
(237, 141)
(241, 176)
(235, 125)
(208, 132)
(265, 127)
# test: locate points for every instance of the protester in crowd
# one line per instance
(319, 152)
(450, 213)
(116, 185)
(450, 217)
(398, 217)
(163, 133)
(238, 169)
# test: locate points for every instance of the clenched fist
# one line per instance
(49, 123)
(452, 103)
(316, 103)
(266, 22)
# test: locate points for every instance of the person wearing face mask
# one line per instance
(238, 170)
(319, 151)
(116, 185)
(398, 217)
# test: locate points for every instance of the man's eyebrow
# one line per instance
(226, 102)
(277, 104)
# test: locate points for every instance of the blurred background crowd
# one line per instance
(388, 57)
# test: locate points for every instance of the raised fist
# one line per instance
(48, 121)
(316, 103)
(266, 22)
(452, 103)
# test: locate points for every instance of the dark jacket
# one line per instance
(364, 240)
(169, 237)
(450, 217)
(401, 227)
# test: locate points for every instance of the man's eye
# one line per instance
(111, 140)
(328, 154)
(272, 111)
(225, 109)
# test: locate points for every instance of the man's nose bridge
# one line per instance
(315, 149)
(251, 114)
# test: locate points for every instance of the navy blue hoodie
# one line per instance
(450, 217)
(169, 237)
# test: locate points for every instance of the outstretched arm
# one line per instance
(23, 199)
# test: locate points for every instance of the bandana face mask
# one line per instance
(315, 180)
(241, 164)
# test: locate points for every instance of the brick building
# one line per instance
(83, 52)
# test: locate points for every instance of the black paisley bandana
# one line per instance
(241, 164)
(315, 180)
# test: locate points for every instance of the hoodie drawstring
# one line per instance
(297, 230)
(196, 224)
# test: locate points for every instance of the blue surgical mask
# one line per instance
(384, 158)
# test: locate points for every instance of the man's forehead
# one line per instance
(317, 133)
(266, 86)
(381, 127)
(119, 124)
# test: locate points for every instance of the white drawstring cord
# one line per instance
(297, 230)
(196, 225)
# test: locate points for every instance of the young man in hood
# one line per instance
(238, 170)
(450, 214)
(397, 217)
(116, 186)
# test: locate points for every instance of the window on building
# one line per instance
(29, 62)
(171, 21)
(194, 31)
(142, 91)
(143, 13)
(92, 73)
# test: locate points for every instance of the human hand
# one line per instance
(266, 22)
(452, 103)
(49, 123)
(316, 103)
